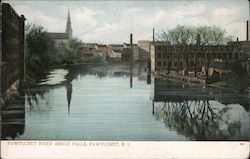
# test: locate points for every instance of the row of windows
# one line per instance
(217, 55)
(215, 48)
(175, 64)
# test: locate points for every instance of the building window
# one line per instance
(230, 55)
(164, 63)
(224, 55)
(164, 55)
(159, 64)
(159, 55)
(175, 64)
(219, 56)
(236, 56)
(181, 64)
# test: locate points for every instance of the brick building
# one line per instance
(192, 57)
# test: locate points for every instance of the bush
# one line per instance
(40, 51)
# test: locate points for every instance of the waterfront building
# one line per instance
(127, 52)
(165, 58)
(144, 49)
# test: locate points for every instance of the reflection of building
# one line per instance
(208, 114)
(69, 94)
(62, 40)
(165, 90)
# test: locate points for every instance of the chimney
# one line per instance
(237, 39)
(247, 30)
(153, 35)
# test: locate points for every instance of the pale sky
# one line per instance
(112, 21)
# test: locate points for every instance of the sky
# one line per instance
(109, 22)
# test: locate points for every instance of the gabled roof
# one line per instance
(59, 35)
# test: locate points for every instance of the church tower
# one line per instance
(68, 26)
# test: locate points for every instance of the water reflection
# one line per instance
(103, 103)
(69, 94)
(199, 116)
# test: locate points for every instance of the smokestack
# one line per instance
(237, 39)
(131, 40)
(153, 35)
(247, 30)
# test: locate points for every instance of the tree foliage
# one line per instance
(40, 51)
(187, 35)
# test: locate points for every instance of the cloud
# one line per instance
(132, 10)
(98, 23)
(226, 15)
(194, 9)
(40, 18)
(83, 19)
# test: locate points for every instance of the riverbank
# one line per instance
(184, 79)
(11, 93)
(192, 81)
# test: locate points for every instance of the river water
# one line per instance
(109, 102)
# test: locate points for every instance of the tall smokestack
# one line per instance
(153, 35)
(247, 30)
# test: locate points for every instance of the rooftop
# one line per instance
(59, 35)
(116, 45)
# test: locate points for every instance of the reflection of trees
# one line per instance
(197, 120)
(34, 94)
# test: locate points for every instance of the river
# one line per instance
(109, 102)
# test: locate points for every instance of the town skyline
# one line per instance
(113, 21)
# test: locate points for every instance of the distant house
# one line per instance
(115, 52)
(127, 53)
(103, 49)
(82, 51)
(91, 46)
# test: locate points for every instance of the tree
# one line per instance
(40, 50)
(73, 42)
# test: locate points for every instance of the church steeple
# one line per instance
(68, 26)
